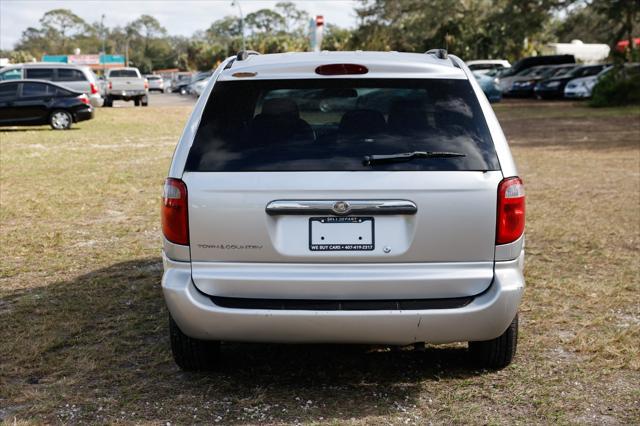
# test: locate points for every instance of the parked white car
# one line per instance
(343, 197)
(583, 87)
(156, 83)
(199, 86)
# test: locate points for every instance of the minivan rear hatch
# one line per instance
(280, 172)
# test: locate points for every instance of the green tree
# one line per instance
(149, 44)
(584, 23)
(34, 41)
(264, 20)
(468, 28)
(61, 25)
(148, 27)
(89, 40)
(225, 28)
(520, 26)
(18, 56)
(295, 20)
(601, 21)
(624, 15)
(336, 38)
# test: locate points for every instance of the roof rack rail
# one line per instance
(438, 53)
(244, 54)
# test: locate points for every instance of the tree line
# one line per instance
(471, 29)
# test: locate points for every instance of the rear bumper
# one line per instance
(486, 317)
(96, 99)
(517, 92)
(576, 94)
(549, 93)
(85, 114)
(126, 95)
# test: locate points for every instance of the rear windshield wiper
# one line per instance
(408, 156)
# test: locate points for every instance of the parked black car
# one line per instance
(36, 102)
(180, 87)
(553, 88)
(534, 61)
(524, 83)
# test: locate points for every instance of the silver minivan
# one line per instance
(343, 197)
(74, 77)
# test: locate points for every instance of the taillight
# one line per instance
(175, 219)
(84, 99)
(341, 69)
(110, 86)
(146, 84)
(510, 224)
(94, 89)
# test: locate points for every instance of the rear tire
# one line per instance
(497, 353)
(144, 101)
(136, 102)
(192, 354)
(60, 119)
(108, 102)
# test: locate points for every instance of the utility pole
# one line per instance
(237, 3)
(104, 51)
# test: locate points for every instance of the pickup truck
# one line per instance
(126, 84)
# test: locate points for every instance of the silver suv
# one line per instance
(74, 77)
(343, 197)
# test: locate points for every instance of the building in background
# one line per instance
(587, 53)
(98, 63)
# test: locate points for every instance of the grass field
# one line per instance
(83, 327)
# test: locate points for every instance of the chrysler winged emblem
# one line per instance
(341, 207)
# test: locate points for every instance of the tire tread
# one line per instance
(192, 354)
(497, 353)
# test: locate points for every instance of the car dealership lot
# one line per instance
(161, 100)
(84, 324)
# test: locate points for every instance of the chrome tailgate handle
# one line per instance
(340, 207)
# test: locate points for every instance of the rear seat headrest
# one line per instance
(408, 116)
(281, 106)
(362, 122)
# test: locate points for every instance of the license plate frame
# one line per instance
(343, 246)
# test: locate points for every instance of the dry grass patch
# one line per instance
(84, 331)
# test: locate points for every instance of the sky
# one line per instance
(178, 17)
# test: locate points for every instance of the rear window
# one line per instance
(34, 89)
(475, 67)
(40, 73)
(69, 74)
(585, 71)
(332, 124)
(123, 73)
(40, 89)
(14, 74)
